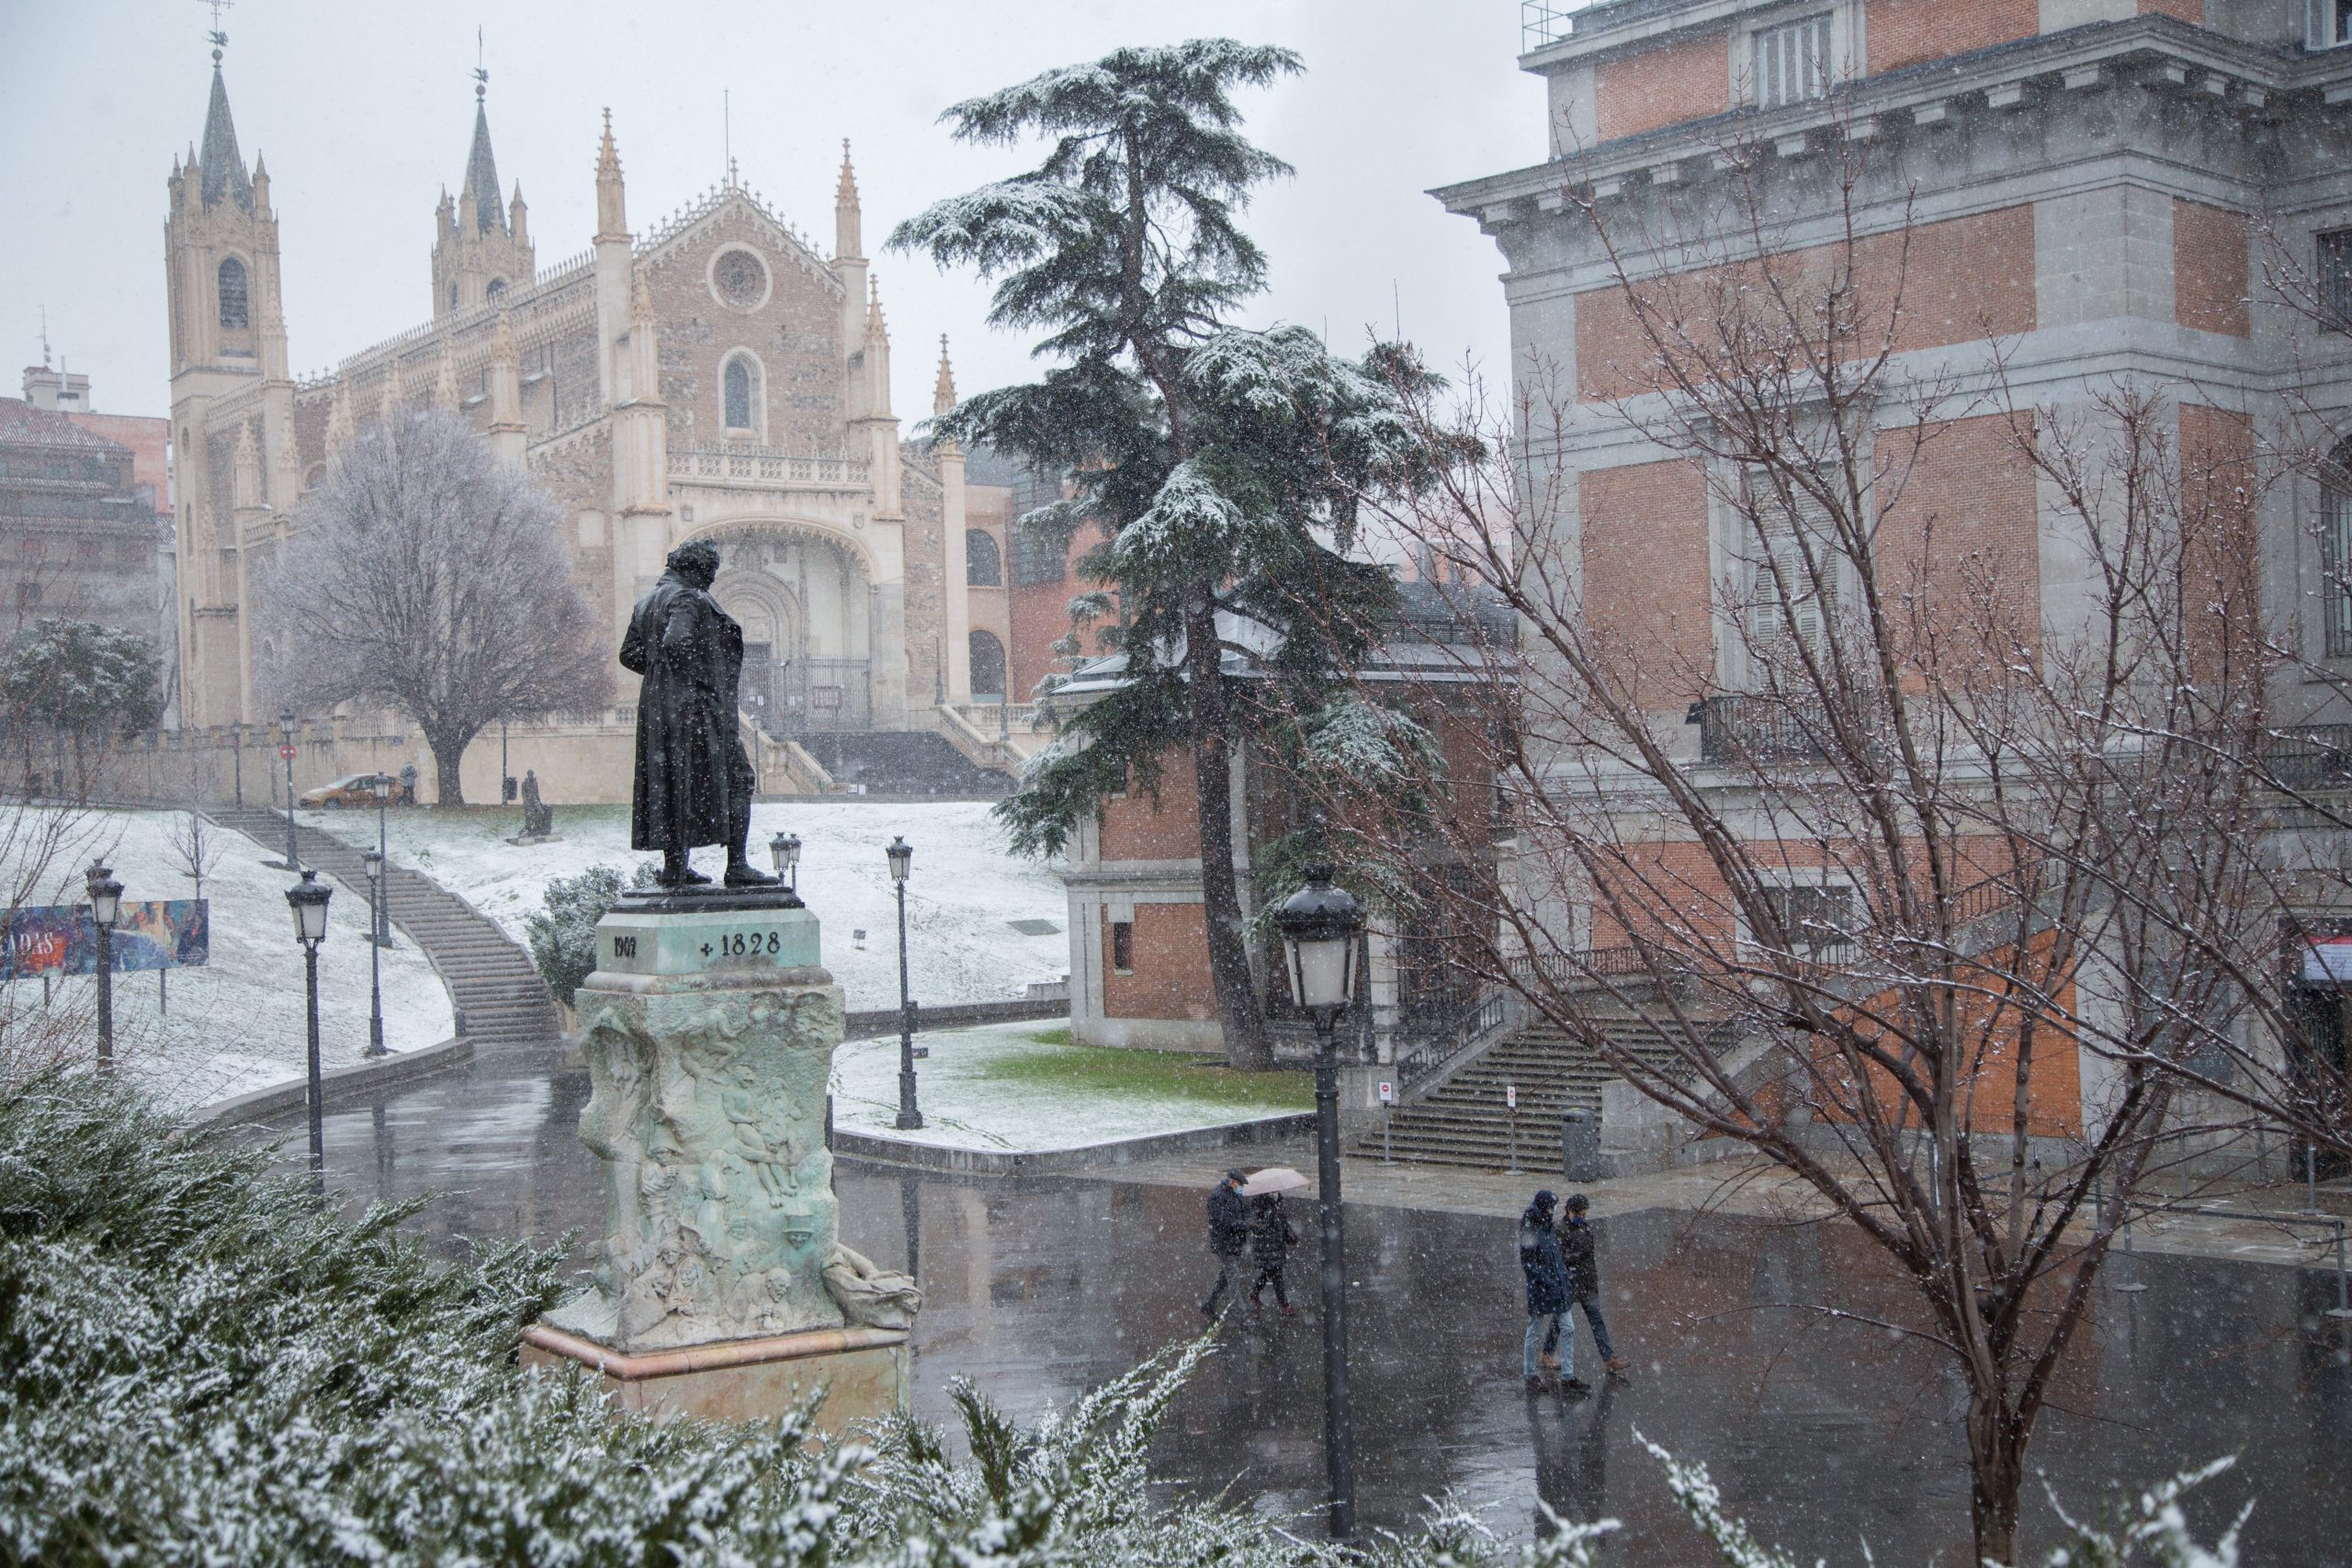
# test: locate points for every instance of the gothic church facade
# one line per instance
(713, 379)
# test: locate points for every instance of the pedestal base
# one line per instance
(863, 1371)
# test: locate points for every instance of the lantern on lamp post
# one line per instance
(786, 848)
(1319, 925)
(308, 899)
(902, 856)
(106, 909)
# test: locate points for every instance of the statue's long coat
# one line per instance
(691, 775)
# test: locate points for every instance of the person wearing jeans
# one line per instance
(1583, 1271)
(1547, 1290)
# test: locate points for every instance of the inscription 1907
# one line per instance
(624, 947)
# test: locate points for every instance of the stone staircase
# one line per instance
(1465, 1122)
(500, 998)
(904, 762)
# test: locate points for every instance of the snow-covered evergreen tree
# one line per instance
(1225, 462)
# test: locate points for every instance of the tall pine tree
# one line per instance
(1223, 461)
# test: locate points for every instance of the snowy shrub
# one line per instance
(563, 939)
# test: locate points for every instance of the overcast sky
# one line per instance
(364, 113)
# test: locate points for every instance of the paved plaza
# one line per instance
(1820, 1433)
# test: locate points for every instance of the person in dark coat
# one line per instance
(1270, 1239)
(1547, 1289)
(693, 783)
(1228, 1234)
(1576, 1238)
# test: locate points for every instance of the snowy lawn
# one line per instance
(238, 1023)
(1018, 1086)
(966, 889)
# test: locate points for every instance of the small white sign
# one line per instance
(1388, 1094)
(1511, 1095)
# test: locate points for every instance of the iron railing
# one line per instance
(1757, 729)
(1545, 22)
(2309, 756)
(1470, 1025)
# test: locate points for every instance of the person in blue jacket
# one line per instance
(1547, 1290)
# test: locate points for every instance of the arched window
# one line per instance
(453, 297)
(742, 393)
(234, 309)
(497, 286)
(983, 566)
(988, 666)
(2335, 550)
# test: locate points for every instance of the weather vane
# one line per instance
(481, 76)
(219, 39)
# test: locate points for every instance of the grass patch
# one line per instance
(1152, 1075)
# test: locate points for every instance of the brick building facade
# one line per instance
(2101, 190)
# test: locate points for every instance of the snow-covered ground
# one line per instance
(237, 1022)
(1004, 1086)
(965, 890)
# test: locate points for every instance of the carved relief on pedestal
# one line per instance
(707, 1112)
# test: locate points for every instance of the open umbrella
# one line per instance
(1273, 1179)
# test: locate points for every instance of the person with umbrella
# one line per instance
(1271, 1235)
(1228, 1234)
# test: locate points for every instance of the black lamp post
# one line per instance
(786, 848)
(286, 750)
(308, 899)
(374, 861)
(901, 855)
(1318, 925)
(237, 750)
(106, 909)
(379, 888)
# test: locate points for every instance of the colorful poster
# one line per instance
(58, 939)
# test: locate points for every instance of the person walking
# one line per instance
(1270, 1239)
(1229, 1234)
(1547, 1289)
(1576, 1238)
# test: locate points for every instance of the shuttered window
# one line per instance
(1786, 599)
(1792, 62)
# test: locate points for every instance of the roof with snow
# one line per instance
(21, 424)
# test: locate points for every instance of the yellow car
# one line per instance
(356, 789)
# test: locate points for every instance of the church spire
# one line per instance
(942, 392)
(612, 215)
(223, 167)
(480, 205)
(847, 242)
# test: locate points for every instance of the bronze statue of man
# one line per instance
(693, 783)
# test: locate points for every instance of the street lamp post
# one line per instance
(308, 898)
(106, 909)
(901, 854)
(1318, 925)
(380, 887)
(286, 750)
(786, 848)
(374, 861)
(237, 750)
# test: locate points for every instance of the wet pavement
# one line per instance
(1820, 1434)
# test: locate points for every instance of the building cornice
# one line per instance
(2151, 53)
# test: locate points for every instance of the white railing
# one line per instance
(743, 462)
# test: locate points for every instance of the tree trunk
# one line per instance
(447, 752)
(1237, 1013)
(1996, 1473)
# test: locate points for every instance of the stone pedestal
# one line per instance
(719, 1284)
(862, 1370)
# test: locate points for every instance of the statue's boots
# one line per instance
(741, 873)
(677, 873)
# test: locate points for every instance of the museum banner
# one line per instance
(59, 939)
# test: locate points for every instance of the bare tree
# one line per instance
(427, 576)
(193, 847)
(1942, 898)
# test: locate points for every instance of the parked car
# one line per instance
(354, 789)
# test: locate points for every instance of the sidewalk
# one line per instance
(1746, 1186)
